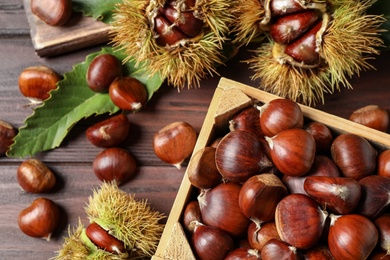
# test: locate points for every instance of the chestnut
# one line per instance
(351, 236)
(243, 254)
(383, 225)
(52, 12)
(383, 165)
(175, 142)
(354, 155)
(372, 116)
(260, 195)
(128, 93)
(280, 114)
(322, 166)
(299, 220)
(102, 71)
(247, 120)
(202, 170)
(322, 136)
(114, 164)
(104, 240)
(340, 195)
(375, 197)
(109, 132)
(292, 151)
(219, 208)
(210, 242)
(40, 219)
(277, 249)
(318, 252)
(36, 82)
(240, 155)
(192, 215)
(259, 236)
(35, 177)
(7, 134)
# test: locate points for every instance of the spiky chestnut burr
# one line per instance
(315, 46)
(182, 40)
(123, 219)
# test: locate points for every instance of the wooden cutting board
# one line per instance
(79, 32)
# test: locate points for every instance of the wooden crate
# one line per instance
(229, 98)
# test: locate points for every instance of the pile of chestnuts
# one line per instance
(280, 186)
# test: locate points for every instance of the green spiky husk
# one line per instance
(184, 64)
(131, 221)
(349, 43)
(76, 247)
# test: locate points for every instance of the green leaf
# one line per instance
(72, 101)
(99, 9)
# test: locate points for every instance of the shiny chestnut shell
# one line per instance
(114, 164)
(260, 195)
(292, 151)
(109, 132)
(219, 207)
(240, 155)
(278, 115)
(210, 242)
(351, 236)
(354, 155)
(299, 220)
(102, 71)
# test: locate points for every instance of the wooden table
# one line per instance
(72, 162)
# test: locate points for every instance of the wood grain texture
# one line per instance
(72, 162)
(79, 32)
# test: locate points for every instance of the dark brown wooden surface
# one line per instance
(72, 162)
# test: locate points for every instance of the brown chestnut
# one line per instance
(247, 120)
(354, 155)
(299, 220)
(322, 166)
(243, 254)
(292, 151)
(372, 116)
(278, 115)
(240, 155)
(40, 219)
(35, 177)
(128, 93)
(219, 207)
(202, 170)
(260, 195)
(52, 12)
(340, 195)
(36, 82)
(110, 132)
(192, 215)
(7, 134)
(351, 236)
(259, 236)
(383, 225)
(210, 242)
(175, 142)
(322, 135)
(277, 249)
(114, 164)
(102, 71)
(319, 252)
(104, 240)
(375, 197)
(383, 167)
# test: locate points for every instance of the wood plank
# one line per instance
(79, 32)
